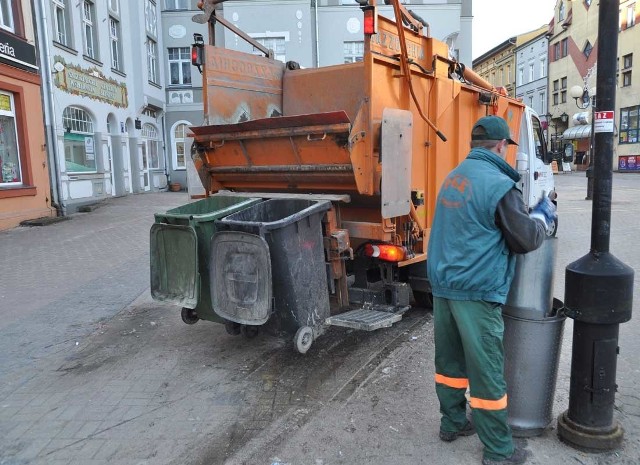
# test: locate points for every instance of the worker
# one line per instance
(480, 223)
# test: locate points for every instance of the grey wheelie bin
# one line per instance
(269, 268)
(533, 328)
(180, 251)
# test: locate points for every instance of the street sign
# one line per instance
(603, 121)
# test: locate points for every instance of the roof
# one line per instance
(582, 131)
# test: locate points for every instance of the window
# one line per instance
(543, 103)
(180, 66)
(555, 85)
(502, 83)
(353, 51)
(520, 76)
(79, 153)
(563, 96)
(543, 67)
(273, 43)
(179, 146)
(626, 78)
(563, 87)
(531, 72)
(89, 30)
(631, 15)
(564, 45)
(561, 11)
(508, 74)
(6, 15)
(114, 33)
(151, 19)
(627, 61)
(113, 6)
(556, 88)
(556, 51)
(152, 60)
(150, 139)
(629, 129)
(9, 151)
(555, 99)
(61, 21)
(587, 49)
(177, 4)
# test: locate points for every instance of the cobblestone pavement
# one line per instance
(94, 372)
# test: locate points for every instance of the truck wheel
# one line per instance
(303, 339)
(423, 299)
(232, 328)
(189, 316)
(249, 331)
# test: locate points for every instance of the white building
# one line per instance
(104, 98)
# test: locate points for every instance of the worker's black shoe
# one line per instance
(518, 457)
(448, 436)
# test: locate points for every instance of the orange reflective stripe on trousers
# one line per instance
(486, 404)
(456, 383)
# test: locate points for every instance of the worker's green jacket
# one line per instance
(470, 259)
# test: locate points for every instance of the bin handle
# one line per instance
(212, 145)
(313, 139)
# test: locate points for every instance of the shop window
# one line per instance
(152, 143)
(629, 128)
(11, 173)
(79, 142)
(179, 146)
(353, 51)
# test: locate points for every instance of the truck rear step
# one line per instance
(367, 319)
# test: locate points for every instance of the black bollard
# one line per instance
(598, 286)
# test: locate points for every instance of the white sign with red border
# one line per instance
(603, 121)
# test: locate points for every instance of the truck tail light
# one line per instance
(370, 20)
(386, 252)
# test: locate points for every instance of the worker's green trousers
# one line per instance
(469, 353)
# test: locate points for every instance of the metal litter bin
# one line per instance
(270, 267)
(180, 250)
(533, 329)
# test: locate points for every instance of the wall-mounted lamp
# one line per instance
(58, 67)
(564, 117)
(138, 123)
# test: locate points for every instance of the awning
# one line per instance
(582, 131)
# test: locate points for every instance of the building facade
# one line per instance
(531, 71)
(322, 33)
(573, 50)
(24, 176)
(104, 99)
(497, 65)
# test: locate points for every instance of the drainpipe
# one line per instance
(48, 102)
(315, 11)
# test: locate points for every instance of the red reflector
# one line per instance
(386, 252)
(196, 55)
(369, 21)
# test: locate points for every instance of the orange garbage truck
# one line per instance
(321, 183)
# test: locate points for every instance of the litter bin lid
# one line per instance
(174, 264)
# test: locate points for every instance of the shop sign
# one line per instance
(88, 144)
(629, 163)
(17, 52)
(90, 83)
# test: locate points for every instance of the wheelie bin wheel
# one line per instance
(189, 316)
(303, 339)
(249, 331)
(232, 328)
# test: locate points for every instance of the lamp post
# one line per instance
(598, 286)
(586, 98)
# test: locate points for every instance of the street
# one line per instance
(94, 371)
